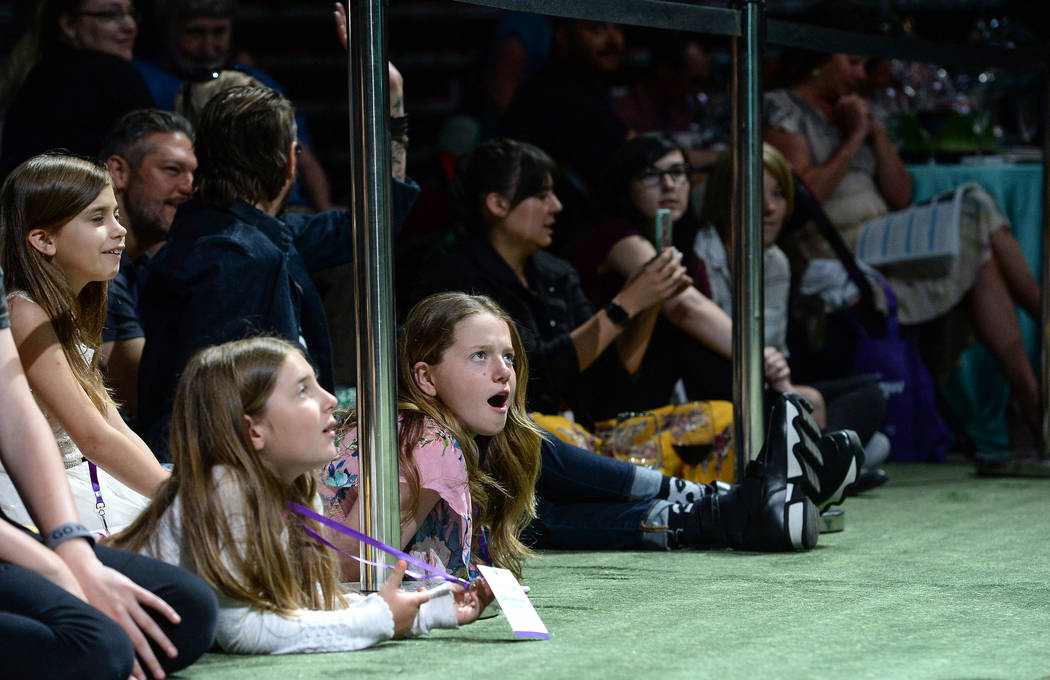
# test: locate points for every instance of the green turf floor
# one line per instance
(939, 574)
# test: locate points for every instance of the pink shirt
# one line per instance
(444, 536)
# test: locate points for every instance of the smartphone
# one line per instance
(662, 230)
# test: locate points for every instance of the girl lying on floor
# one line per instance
(249, 429)
(479, 481)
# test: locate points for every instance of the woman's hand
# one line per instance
(659, 280)
(404, 606)
(852, 116)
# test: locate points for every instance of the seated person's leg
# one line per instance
(569, 474)
(187, 594)
(47, 631)
(595, 526)
(853, 403)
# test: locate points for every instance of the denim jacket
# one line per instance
(231, 273)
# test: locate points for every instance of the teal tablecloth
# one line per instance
(977, 392)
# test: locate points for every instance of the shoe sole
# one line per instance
(803, 524)
(856, 454)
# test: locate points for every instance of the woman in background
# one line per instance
(69, 79)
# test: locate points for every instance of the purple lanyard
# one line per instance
(429, 571)
(100, 505)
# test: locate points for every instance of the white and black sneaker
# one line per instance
(842, 458)
(771, 509)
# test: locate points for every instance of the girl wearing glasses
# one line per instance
(69, 79)
(650, 173)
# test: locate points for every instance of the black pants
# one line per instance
(608, 390)
(49, 633)
(852, 403)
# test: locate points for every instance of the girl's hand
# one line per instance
(124, 601)
(484, 591)
(403, 605)
(776, 370)
(470, 602)
(661, 279)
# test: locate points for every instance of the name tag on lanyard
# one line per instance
(520, 613)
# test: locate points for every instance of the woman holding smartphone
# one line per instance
(692, 338)
(507, 215)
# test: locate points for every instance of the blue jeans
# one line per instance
(584, 502)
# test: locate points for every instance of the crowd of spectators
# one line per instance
(595, 212)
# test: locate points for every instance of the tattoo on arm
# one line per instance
(397, 160)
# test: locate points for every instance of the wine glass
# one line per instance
(636, 440)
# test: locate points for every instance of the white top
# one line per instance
(71, 455)
(246, 630)
(122, 503)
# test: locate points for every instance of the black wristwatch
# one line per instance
(617, 314)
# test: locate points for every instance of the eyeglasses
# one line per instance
(112, 15)
(652, 177)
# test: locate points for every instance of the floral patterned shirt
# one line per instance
(444, 536)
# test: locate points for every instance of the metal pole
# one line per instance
(748, 331)
(1044, 107)
(373, 292)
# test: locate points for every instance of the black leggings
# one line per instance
(49, 633)
(852, 403)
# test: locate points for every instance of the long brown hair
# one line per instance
(502, 469)
(278, 568)
(46, 192)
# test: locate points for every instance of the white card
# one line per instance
(520, 613)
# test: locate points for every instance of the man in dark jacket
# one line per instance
(232, 267)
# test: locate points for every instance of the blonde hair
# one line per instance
(502, 469)
(718, 203)
(192, 97)
(46, 192)
(280, 568)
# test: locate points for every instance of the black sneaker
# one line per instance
(777, 512)
(842, 458)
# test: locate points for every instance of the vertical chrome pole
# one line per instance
(373, 292)
(748, 332)
(1044, 107)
